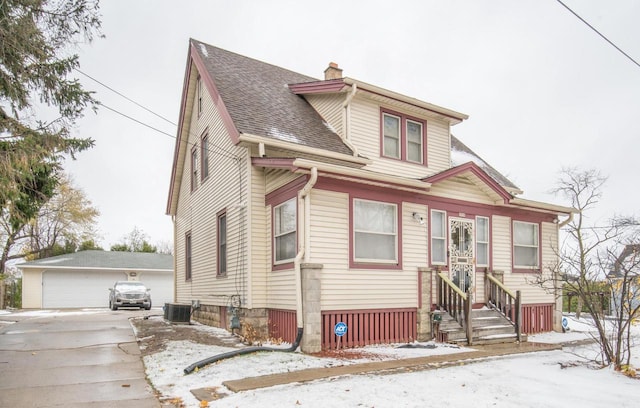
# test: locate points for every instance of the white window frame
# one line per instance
(199, 94)
(278, 234)
(482, 241)
(439, 238)
(536, 245)
(408, 143)
(393, 233)
(194, 169)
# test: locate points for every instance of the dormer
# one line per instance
(399, 134)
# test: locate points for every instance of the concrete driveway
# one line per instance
(71, 359)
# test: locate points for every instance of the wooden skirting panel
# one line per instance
(365, 327)
(282, 325)
(537, 318)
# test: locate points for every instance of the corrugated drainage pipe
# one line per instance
(241, 352)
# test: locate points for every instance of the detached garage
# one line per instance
(82, 279)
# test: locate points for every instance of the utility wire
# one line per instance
(125, 97)
(599, 33)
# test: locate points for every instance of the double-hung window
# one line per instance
(482, 241)
(375, 230)
(222, 244)
(438, 237)
(284, 231)
(403, 138)
(525, 245)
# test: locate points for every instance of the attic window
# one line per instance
(199, 94)
(194, 169)
(402, 137)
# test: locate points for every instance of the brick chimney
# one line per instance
(332, 71)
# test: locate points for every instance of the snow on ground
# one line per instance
(550, 379)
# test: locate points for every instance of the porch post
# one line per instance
(311, 309)
(424, 304)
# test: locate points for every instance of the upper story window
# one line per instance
(482, 241)
(438, 237)
(187, 256)
(222, 244)
(199, 94)
(403, 138)
(526, 253)
(284, 231)
(194, 168)
(204, 154)
(375, 230)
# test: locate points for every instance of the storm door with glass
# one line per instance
(461, 256)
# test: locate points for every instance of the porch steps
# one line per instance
(489, 327)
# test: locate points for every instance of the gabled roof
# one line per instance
(622, 261)
(104, 260)
(461, 154)
(258, 99)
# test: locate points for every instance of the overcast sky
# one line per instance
(542, 90)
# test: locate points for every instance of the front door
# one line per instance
(461, 253)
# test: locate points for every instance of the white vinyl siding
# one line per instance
(438, 237)
(330, 108)
(366, 123)
(375, 230)
(344, 288)
(225, 188)
(459, 188)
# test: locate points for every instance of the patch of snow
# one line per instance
(328, 126)
(53, 261)
(501, 381)
(204, 51)
(282, 135)
(459, 157)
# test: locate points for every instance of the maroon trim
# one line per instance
(372, 195)
(403, 142)
(285, 192)
(183, 105)
(332, 85)
(215, 95)
(286, 164)
(477, 171)
(275, 198)
(513, 252)
(219, 272)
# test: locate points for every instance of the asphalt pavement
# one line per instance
(72, 359)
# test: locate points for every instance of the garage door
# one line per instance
(61, 289)
(161, 285)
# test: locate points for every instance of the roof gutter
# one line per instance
(542, 206)
(347, 120)
(279, 144)
(364, 176)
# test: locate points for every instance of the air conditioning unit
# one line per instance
(177, 313)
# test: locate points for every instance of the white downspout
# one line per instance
(304, 201)
(565, 222)
(347, 122)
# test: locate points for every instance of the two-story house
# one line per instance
(299, 203)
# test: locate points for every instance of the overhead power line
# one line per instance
(600, 34)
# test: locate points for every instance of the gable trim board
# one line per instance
(281, 127)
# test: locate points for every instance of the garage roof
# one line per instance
(105, 259)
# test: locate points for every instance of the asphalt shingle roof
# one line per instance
(106, 259)
(257, 96)
(461, 154)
